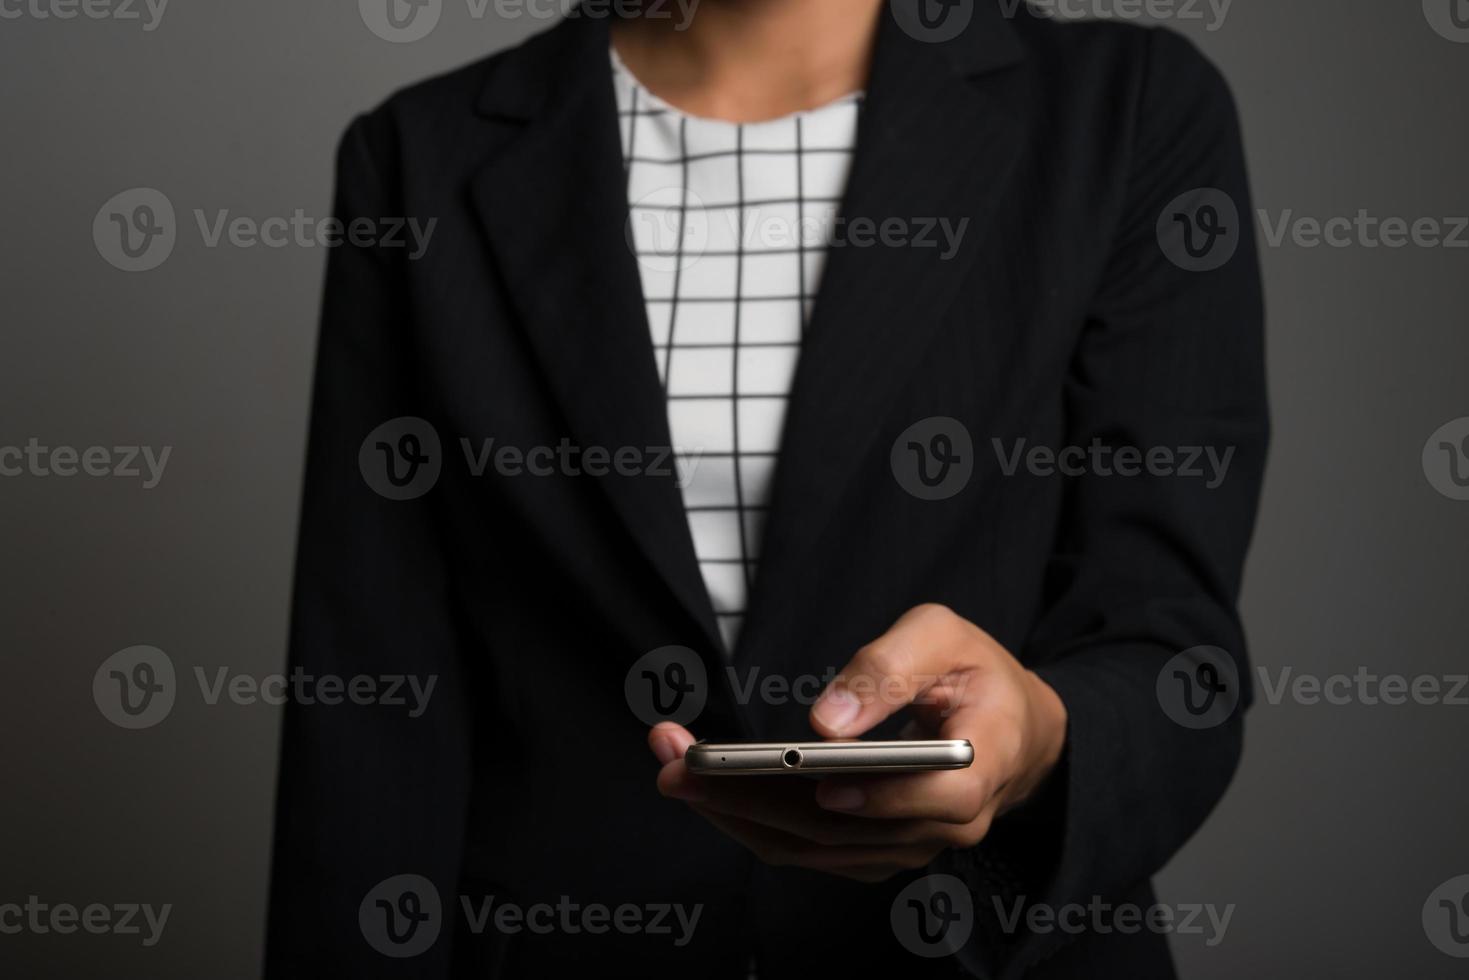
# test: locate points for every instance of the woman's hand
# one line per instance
(958, 683)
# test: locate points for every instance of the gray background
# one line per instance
(1343, 818)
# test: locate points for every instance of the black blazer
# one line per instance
(1061, 321)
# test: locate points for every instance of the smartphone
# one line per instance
(816, 758)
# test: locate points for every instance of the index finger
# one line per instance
(917, 658)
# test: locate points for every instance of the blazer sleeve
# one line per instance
(367, 791)
(1147, 567)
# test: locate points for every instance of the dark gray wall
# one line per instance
(1345, 817)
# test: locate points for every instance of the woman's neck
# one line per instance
(749, 60)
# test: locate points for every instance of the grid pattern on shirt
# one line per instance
(731, 224)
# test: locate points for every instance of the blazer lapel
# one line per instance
(553, 204)
(937, 139)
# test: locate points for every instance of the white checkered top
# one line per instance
(731, 223)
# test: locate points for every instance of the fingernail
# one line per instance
(837, 708)
(840, 797)
(664, 749)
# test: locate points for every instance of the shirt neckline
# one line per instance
(646, 96)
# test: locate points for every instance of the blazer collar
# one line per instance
(932, 142)
(940, 137)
